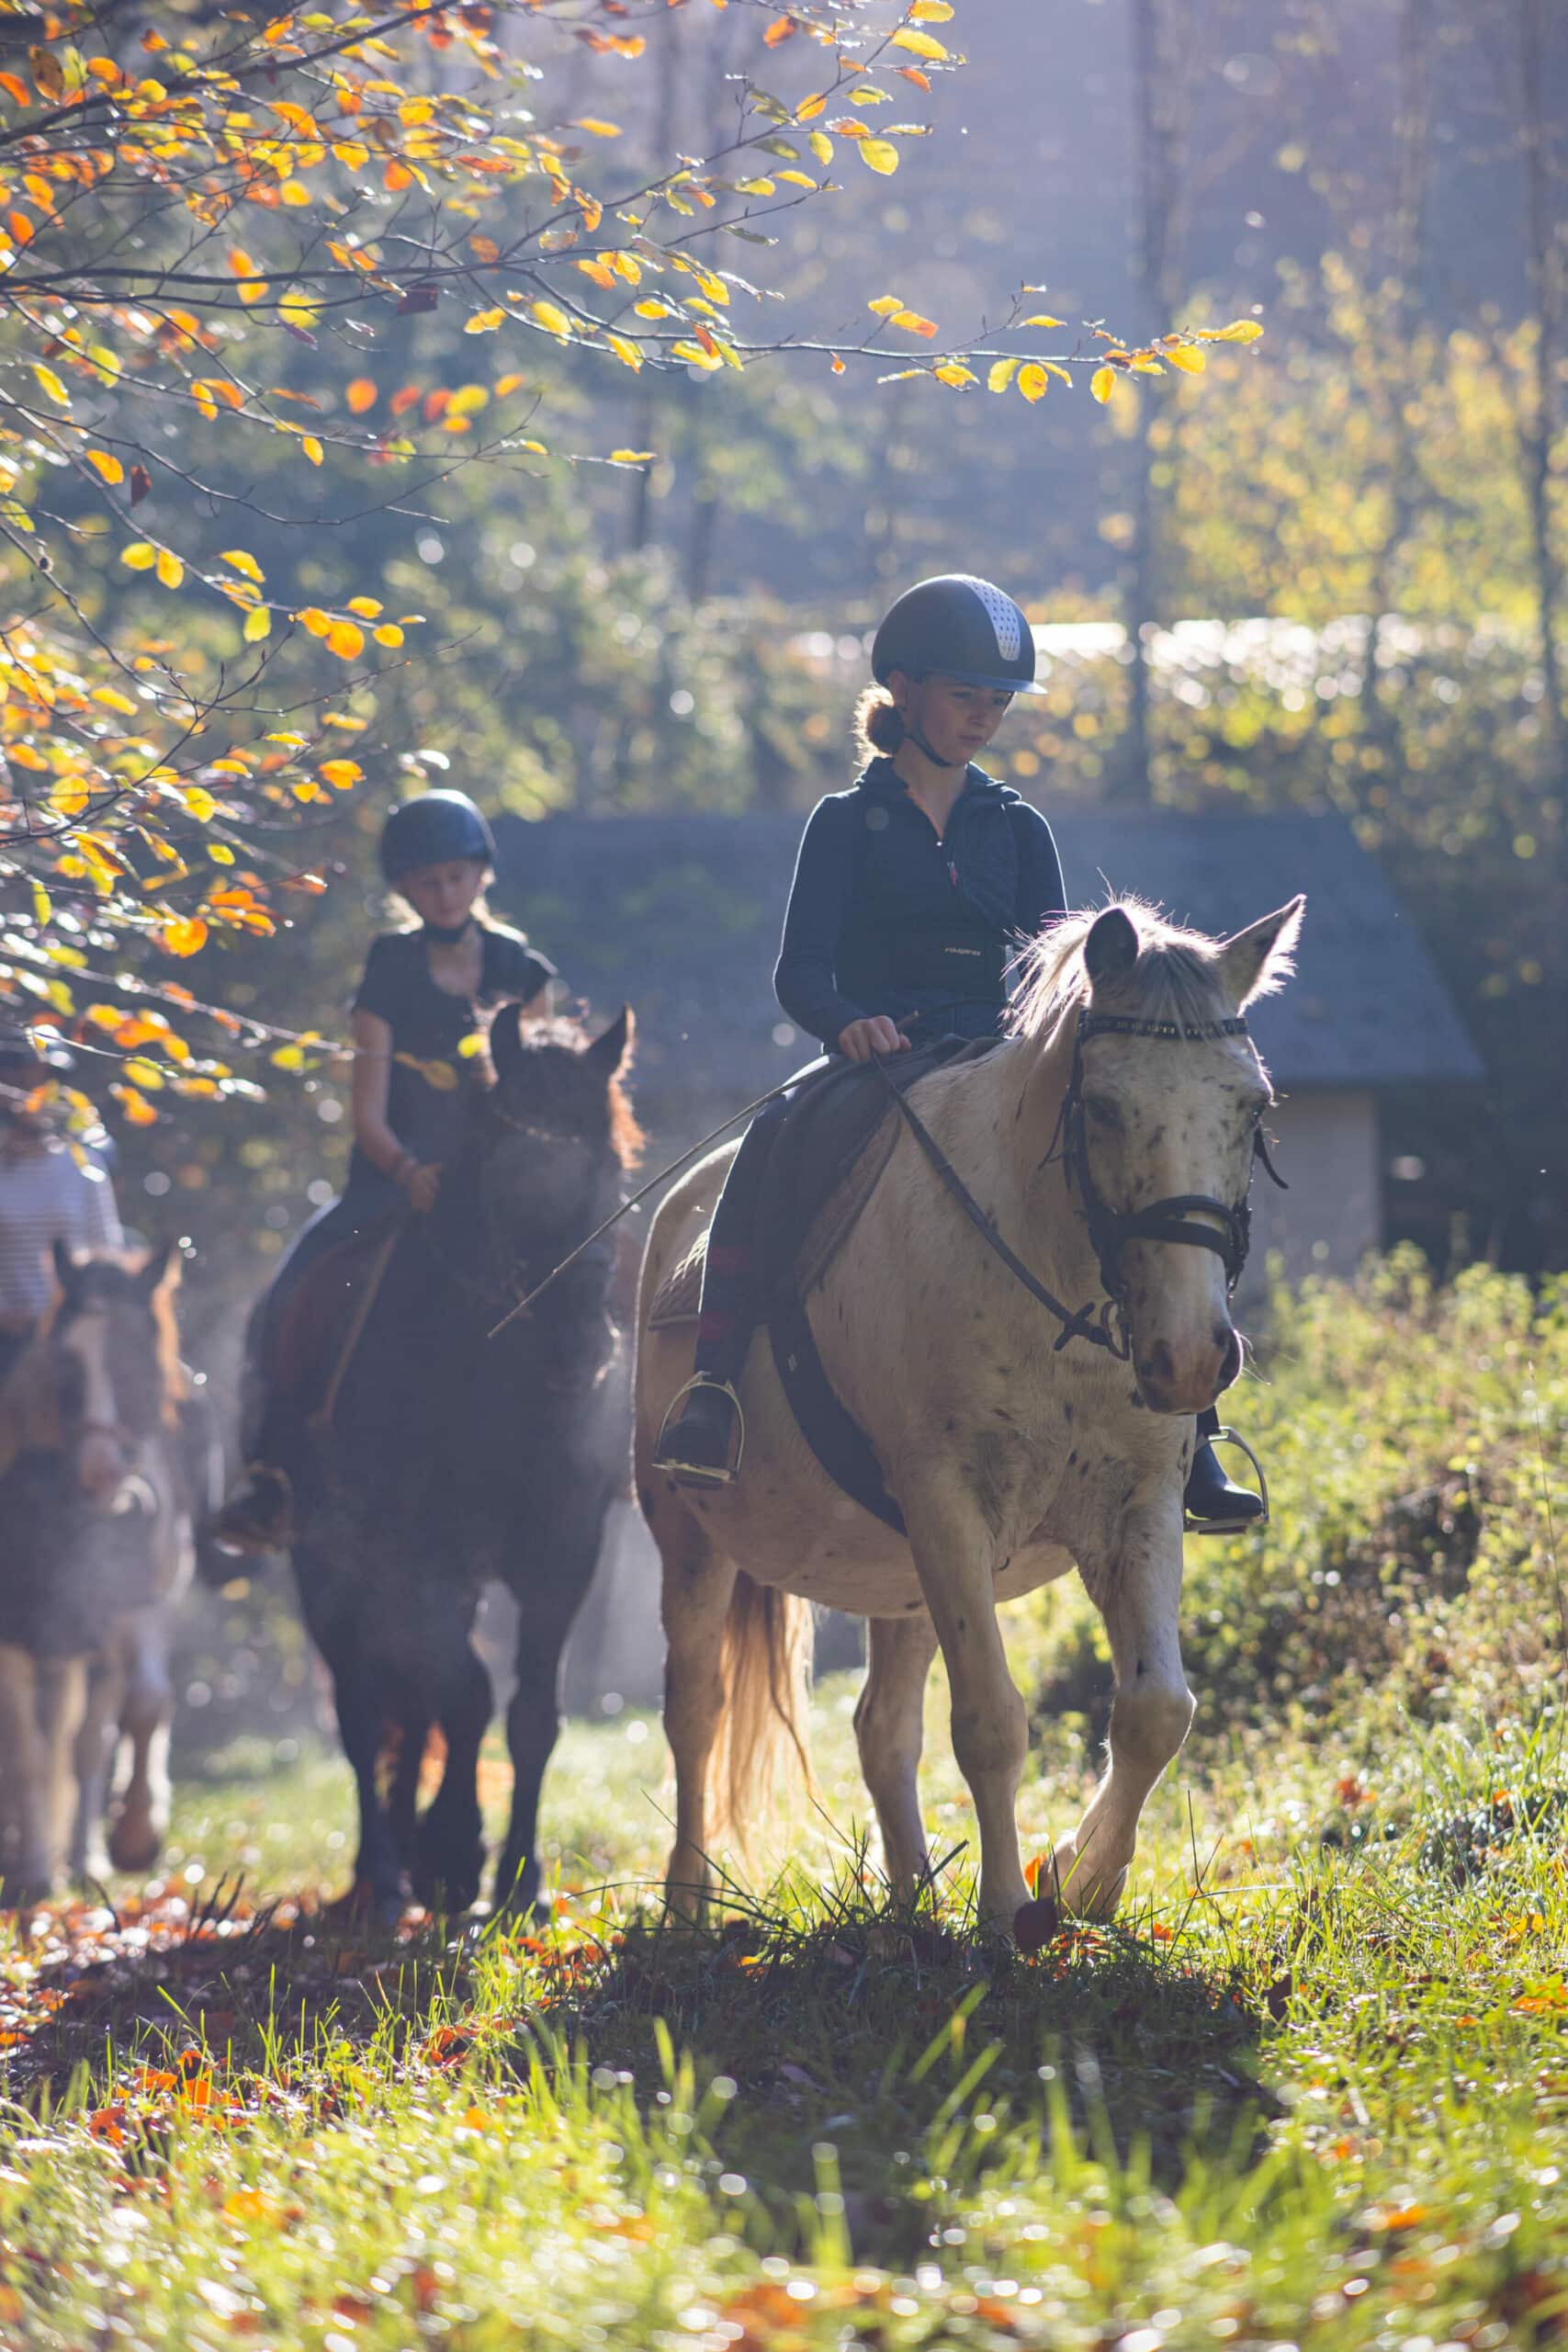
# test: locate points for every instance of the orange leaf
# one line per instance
(360, 395)
(312, 448)
(345, 640)
(779, 32)
(182, 936)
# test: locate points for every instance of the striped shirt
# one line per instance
(46, 1197)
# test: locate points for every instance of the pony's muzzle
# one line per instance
(1187, 1380)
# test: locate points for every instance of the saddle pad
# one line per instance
(677, 1297)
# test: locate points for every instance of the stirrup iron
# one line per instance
(703, 1473)
(1225, 1435)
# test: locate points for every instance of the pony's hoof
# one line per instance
(135, 1845)
(1034, 1923)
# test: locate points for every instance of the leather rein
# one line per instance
(1173, 1218)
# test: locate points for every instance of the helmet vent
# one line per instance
(1006, 621)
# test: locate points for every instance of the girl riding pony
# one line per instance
(912, 893)
(423, 997)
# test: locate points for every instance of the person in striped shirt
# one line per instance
(47, 1194)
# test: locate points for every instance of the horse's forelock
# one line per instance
(561, 1034)
(1175, 978)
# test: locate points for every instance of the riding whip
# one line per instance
(785, 1087)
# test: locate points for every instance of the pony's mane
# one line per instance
(567, 1036)
(1173, 980)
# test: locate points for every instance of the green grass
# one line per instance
(1311, 2090)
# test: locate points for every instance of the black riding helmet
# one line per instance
(437, 827)
(965, 629)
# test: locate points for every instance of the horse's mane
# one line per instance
(1174, 979)
(560, 1030)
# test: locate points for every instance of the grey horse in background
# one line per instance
(95, 1547)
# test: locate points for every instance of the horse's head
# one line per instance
(1160, 1124)
(558, 1126)
(114, 1357)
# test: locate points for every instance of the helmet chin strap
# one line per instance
(447, 935)
(921, 742)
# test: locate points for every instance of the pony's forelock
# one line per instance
(1176, 976)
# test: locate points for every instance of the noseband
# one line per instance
(1177, 1216)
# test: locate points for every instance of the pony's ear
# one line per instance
(610, 1048)
(506, 1041)
(1112, 948)
(161, 1267)
(64, 1263)
(1262, 958)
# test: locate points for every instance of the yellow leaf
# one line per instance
(169, 569)
(887, 305)
(1183, 356)
(294, 192)
(809, 108)
(114, 700)
(219, 853)
(341, 773)
(466, 400)
(258, 623)
(387, 634)
(312, 448)
(1034, 383)
(139, 1112)
(1001, 375)
(626, 353)
(932, 12)
(245, 563)
(918, 44)
(483, 322)
(878, 154)
(198, 802)
(1102, 383)
(821, 146)
(142, 1072)
(365, 606)
(103, 463)
(796, 179)
(553, 320)
(141, 556)
(345, 640)
(508, 384)
(51, 384)
(653, 308)
(955, 374)
(290, 1058)
(1238, 330)
(913, 322)
(597, 128)
(632, 457)
(1041, 319)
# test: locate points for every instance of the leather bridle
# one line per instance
(1177, 1216)
(1172, 1218)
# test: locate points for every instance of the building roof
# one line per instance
(680, 915)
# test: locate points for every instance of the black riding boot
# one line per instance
(704, 1434)
(1213, 1504)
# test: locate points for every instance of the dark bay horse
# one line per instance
(452, 1457)
(95, 1546)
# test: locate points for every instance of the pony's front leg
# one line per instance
(889, 1732)
(697, 1586)
(88, 1857)
(1140, 1598)
(956, 1556)
(141, 1815)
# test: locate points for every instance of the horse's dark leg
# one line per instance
(448, 1853)
(361, 1692)
(402, 1797)
(550, 1584)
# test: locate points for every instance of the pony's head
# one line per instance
(111, 1360)
(558, 1123)
(1161, 1121)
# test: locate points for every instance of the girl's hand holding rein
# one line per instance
(419, 1181)
(861, 1041)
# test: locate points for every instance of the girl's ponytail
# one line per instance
(879, 729)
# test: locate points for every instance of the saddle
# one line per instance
(831, 1151)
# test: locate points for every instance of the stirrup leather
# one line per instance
(1225, 1435)
(701, 1473)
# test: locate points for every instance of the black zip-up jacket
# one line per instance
(886, 916)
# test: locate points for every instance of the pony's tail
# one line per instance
(763, 1734)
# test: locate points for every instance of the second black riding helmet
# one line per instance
(437, 827)
(965, 628)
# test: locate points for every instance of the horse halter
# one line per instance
(1176, 1216)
